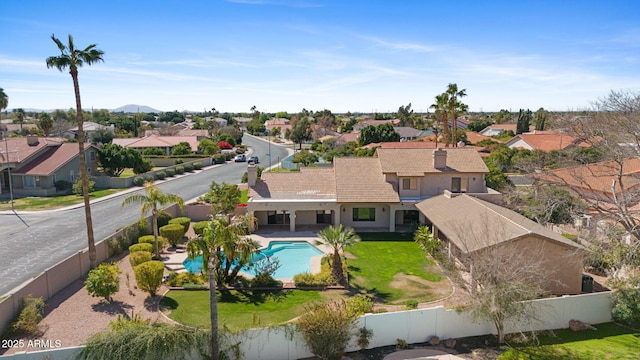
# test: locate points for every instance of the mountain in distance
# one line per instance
(132, 108)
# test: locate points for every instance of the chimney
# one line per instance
(32, 140)
(252, 174)
(439, 158)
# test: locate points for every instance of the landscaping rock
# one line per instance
(577, 325)
(450, 343)
(434, 340)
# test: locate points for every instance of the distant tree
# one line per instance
(183, 148)
(300, 131)
(478, 125)
(441, 116)
(207, 147)
(404, 115)
(101, 136)
(114, 159)
(4, 99)
(223, 198)
(283, 115)
(45, 123)
(524, 120)
(172, 116)
(454, 108)
(255, 127)
(276, 131)
(305, 157)
(540, 119)
(503, 116)
(380, 133)
(72, 58)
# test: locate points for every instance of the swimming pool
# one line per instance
(294, 256)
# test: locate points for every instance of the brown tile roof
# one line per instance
(545, 141)
(474, 137)
(20, 150)
(473, 224)
(308, 184)
(597, 177)
(361, 180)
(51, 160)
(420, 161)
(194, 132)
(157, 141)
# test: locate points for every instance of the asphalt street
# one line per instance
(31, 241)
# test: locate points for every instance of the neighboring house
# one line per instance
(198, 133)
(366, 193)
(472, 227)
(474, 138)
(37, 163)
(15, 128)
(425, 145)
(166, 143)
(497, 129)
(88, 127)
(281, 123)
(545, 141)
(409, 133)
(347, 137)
(359, 126)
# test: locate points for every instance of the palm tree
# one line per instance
(220, 236)
(338, 238)
(20, 116)
(153, 200)
(440, 107)
(4, 99)
(73, 58)
(454, 107)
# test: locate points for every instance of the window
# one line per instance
(456, 184)
(31, 181)
(92, 156)
(364, 214)
(409, 184)
(277, 218)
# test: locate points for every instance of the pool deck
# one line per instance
(173, 261)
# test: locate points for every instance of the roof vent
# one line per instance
(439, 158)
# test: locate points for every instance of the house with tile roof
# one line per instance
(36, 164)
(166, 143)
(474, 229)
(545, 141)
(379, 192)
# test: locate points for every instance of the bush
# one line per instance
(188, 167)
(219, 158)
(149, 276)
(184, 278)
(177, 161)
(359, 305)
(141, 247)
(138, 181)
(170, 172)
(142, 166)
(173, 233)
(77, 186)
(63, 185)
(149, 239)
(198, 227)
(139, 257)
(307, 279)
(327, 329)
(103, 281)
(179, 169)
(115, 246)
(29, 317)
(161, 175)
(197, 165)
(163, 218)
(185, 222)
(411, 304)
(149, 178)
(626, 308)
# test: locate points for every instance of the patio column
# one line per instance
(292, 221)
(392, 219)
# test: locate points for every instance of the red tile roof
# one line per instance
(51, 160)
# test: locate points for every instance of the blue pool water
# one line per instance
(294, 256)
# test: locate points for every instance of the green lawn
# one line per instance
(244, 196)
(51, 202)
(395, 271)
(610, 341)
(241, 310)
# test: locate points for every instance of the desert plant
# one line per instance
(173, 233)
(179, 169)
(77, 186)
(327, 328)
(188, 167)
(141, 247)
(401, 344)
(185, 222)
(198, 228)
(30, 315)
(170, 172)
(364, 335)
(161, 175)
(197, 165)
(149, 276)
(103, 281)
(139, 257)
(149, 178)
(138, 181)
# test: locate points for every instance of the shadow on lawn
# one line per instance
(255, 297)
(354, 289)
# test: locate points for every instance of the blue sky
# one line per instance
(285, 55)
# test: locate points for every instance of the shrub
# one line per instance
(188, 167)
(307, 279)
(161, 175)
(149, 178)
(77, 186)
(149, 276)
(219, 158)
(177, 161)
(184, 278)
(360, 305)
(223, 145)
(327, 329)
(142, 166)
(163, 218)
(138, 181)
(149, 239)
(115, 246)
(139, 257)
(197, 165)
(62, 185)
(173, 233)
(103, 281)
(30, 315)
(626, 308)
(141, 247)
(198, 227)
(170, 172)
(179, 169)
(184, 221)
(411, 304)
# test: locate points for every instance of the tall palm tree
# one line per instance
(338, 238)
(455, 107)
(20, 116)
(217, 237)
(153, 200)
(72, 58)
(440, 107)
(4, 99)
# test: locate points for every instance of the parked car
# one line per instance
(253, 160)
(240, 158)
